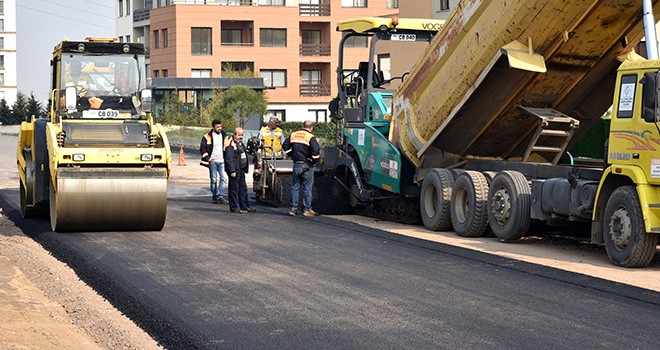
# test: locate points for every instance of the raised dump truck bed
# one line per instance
(479, 73)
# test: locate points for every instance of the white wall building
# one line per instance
(8, 51)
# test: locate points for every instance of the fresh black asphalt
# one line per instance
(265, 280)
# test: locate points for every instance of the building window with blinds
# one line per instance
(273, 78)
(202, 41)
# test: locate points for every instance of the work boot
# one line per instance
(310, 213)
(237, 211)
(222, 200)
(293, 213)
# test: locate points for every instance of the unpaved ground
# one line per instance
(45, 306)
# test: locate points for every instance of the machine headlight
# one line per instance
(78, 157)
(146, 157)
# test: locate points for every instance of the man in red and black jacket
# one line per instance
(212, 149)
(304, 150)
(236, 164)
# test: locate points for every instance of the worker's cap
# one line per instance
(273, 119)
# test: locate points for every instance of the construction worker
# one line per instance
(272, 136)
(303, 149)
(212, 150)
(237, 167)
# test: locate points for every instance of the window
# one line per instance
(156, 40)
(392, 4)
(231, 36)
(156, 75)
(279, 113)
(128, 38)
(2, 6)
(2, 43)
(311, 37)
(165, 73)
(200, 73)
(274, 78)
(2, 79)
(271, 2)
(627, 96)
(238, 66)
(444, 5)
(2, 61)
(384, 66)
(201, 41)
(272, 37)
(128, 7)
(311, 77)
(357, 41)
(2, 25)
(353, 3)
(165, 37)
(121, 8)
(321, 115)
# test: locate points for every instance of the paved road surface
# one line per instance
(212, 279)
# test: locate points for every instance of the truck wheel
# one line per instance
(469, 199)
(489, 176)
(435, 199)
(626, 240)
(509, 205)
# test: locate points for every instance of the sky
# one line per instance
(41, 24)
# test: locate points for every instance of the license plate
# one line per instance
(101, 114)
(404, 37)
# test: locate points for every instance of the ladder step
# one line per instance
(554, 133)
(546, 149)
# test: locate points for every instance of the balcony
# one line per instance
(311, 90)
(314, 9)
(314, 49)
(141, 15)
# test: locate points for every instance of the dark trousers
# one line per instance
(238, 197)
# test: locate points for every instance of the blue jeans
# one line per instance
(216, 168)
(303, 174)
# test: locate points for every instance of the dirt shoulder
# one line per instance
(46, 306)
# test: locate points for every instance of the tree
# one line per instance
(5, 113)
(214, 110)
(229, 72)
(243, 102)
(34, 107)
(19, 110)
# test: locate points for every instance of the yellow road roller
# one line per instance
(98, 162)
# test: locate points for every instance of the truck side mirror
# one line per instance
(650, 98)
(145, 99)
(71, 98)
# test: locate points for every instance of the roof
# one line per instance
(373, 24)
(205, 83)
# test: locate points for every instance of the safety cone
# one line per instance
(182, 158)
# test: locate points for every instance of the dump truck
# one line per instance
(475, 138)
(98, 161)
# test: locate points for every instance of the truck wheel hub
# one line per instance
(501, 206)
(620, 228)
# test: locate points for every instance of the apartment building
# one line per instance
(8, 51)
(292, 44)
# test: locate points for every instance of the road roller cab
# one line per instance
(99, 161)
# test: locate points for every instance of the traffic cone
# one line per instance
(182, 158)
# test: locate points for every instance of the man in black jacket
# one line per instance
(212, 150)
(236, 164)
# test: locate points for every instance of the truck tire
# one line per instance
(489, 176)
(435, 200)
(469, 200)
(509, 205)
(626, 241)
